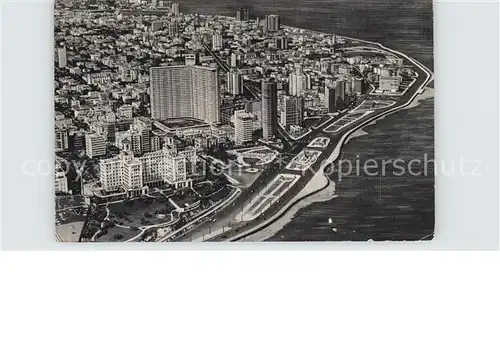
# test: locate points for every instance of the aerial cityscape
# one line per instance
(178, 126)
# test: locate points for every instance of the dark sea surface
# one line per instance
(367, 207)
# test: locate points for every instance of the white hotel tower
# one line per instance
(243, 127)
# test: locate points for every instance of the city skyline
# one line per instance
(192, 120)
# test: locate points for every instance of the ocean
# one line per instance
(368, 207)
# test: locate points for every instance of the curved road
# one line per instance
(425, 76)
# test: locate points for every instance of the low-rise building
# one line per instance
(61, 181)
(391, 83)
(126, 111)
(99, 78)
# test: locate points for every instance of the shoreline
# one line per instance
(313, 186)
(321, 196)
(411, 103)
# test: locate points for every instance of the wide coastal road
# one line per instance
(227, 216)
(338, 138)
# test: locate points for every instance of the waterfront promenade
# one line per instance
(332, 152)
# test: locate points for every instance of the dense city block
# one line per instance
(174, 126)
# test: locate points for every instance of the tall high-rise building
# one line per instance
(357, 85)
(297, 83)
(243, 127)
(173, 28)
(335, 95)
(272, 23)
(206, 99)
(234, 60)
(330, 101)
(175, 9)
(281, 43)
(95, 145)
(242, 14)
(184, 92)
(76, 140)
(62, 139)
(308, 82)
(61, 57)
(234, 83)
(269, 109)
(339, 91)
(292, 111)
(217, 41)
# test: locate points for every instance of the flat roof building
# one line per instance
(62, 139)
(184, 92)
(272, 23)
(95, 145)
(242, 14)
(61, 181)
(243, 127)
(62, 57)
(216, 41)
(292, 111)
(234, 83)
(390, 83)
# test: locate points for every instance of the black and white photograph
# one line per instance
(244, 120)
(342, 156)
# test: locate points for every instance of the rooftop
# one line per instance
(182, 123)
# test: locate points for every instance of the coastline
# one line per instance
(398, 208)
(314, 188)
(323, 195)
(413, 102)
